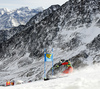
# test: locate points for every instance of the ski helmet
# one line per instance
(67, 60)
(62, 60)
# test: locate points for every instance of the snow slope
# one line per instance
(26, 68)
(86, 78)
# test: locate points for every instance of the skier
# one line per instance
(57, 67)
(68, 64)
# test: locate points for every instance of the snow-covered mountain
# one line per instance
(7, 34)
(72, 30)
(16, 17)
(3, 11)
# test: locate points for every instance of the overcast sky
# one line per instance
(13, 4)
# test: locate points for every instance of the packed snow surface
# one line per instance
(85, 78)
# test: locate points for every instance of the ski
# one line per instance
(55, 77)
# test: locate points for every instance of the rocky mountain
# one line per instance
(3, 11)
(72, 30)
(7, 34)
(21, 16)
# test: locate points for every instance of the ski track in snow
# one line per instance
(85, 78)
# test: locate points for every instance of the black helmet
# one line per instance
(66, 60)
(62, 60)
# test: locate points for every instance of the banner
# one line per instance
(48, 57)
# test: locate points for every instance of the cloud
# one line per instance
(13, 4)
(44, 3)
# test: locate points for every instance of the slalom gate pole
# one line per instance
(44, 65)
(52, 64)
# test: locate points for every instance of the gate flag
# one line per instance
(48, 57)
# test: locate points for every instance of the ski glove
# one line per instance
(57, 65)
